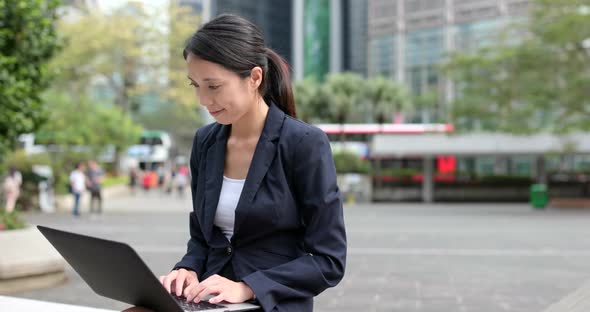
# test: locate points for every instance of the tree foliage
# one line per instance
(133, 51)
(540, 83)
(350, 98)
(93, 125)
(113, 48)
(27, 42)
(134, 56)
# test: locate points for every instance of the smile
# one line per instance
(216, 112)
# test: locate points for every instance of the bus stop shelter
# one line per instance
(428, 146)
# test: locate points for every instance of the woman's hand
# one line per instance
(223, 289)
(176, 281)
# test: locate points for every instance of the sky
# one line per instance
(112, 4)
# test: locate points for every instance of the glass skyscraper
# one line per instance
(316, 51)
(273, 17)
(409, 39)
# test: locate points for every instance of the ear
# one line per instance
(256, 77)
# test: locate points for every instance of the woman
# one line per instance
(11, 187)
(267, 221)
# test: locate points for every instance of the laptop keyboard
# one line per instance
(200, 306)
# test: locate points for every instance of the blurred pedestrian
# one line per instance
(78, 186)
(133, 178)
(161, 172)
(11, 187)
(145, 180)
(181, 180)
(95, 176)
(170, 181)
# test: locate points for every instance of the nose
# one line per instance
(203, 99)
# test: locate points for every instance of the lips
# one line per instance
(216, 112)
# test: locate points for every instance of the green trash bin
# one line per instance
(539, 196)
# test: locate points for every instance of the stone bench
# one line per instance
(11, 304)
(578, 301)
(28, 261)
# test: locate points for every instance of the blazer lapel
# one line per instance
(263, 156)
(214, 166)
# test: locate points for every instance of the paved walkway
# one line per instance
(13, 304)
(402, 257)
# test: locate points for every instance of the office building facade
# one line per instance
(273, 17)
(409, 39)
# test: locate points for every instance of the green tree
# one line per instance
(425, 104)
(122, 46)
(348, 97)
(27, 42)
(93, 125)
(537, 84)
(312, 101)
(136, 51)
(115, 47)
(347, 91)
(386, 97)
(180, 121)
(183, 23)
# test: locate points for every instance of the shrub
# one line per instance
(347, 162)
(10, 221)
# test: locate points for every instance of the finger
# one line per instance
(162, 279)
(209, 290)
(180, 283)
(198, 287)
(190, 292)
(168, 280)
(217, 299)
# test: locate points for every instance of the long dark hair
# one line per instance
(238, 45)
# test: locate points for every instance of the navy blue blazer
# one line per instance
(289, 241)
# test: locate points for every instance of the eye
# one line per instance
(193, 84)
(214, 87)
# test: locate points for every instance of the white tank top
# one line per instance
(231, 189)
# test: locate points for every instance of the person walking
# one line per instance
(78, 186)
(95, 176)
(11, 186)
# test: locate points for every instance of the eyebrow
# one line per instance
(206, 79)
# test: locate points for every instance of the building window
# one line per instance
(469, 37)
(424, 46)
(383, 56)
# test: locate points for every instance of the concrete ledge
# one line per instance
(28, 256)
(22, 284)
(578, 301)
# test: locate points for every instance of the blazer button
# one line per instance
(229, 251)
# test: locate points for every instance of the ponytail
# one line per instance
(277, 86)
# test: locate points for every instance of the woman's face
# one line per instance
(222, 92)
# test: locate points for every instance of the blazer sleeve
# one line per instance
(197, 248)
(320, 206)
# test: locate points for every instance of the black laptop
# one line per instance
(114, 270)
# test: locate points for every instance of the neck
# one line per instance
(252, 123)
